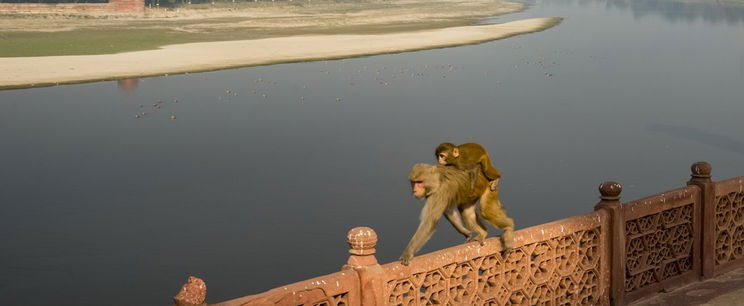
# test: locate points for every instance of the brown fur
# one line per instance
(467, 157)
(444, 189)
(493, 211)
(472, 157)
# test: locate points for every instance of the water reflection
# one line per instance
(675, 11)
(127, 85)
(713, 12)
(720, 141)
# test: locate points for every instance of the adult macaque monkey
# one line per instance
(468, 157)
(472, 157)
(444, 189)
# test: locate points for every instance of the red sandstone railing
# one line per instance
(340, 288)
(614, 255)
(662, 243)
(729, 225)
(558, 262)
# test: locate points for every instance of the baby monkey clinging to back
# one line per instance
(468, 157)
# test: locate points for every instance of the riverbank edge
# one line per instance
(27, 72)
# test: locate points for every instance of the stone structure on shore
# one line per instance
(112, 6)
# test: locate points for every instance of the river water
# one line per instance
(262, 172)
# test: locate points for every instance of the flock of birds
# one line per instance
(157, 105)
(363, 75)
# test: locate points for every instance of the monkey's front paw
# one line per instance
(481, 240)
(405, 260)
(471, 238)
(494, 185)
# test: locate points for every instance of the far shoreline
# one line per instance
(27, 72)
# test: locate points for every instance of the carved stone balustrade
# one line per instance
(614, 255)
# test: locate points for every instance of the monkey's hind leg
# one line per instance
(471, 222)
(455, 218)
(507, 238)
(490, 172)
(494, 185)
(494, 213)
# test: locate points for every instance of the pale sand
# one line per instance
(19, 72)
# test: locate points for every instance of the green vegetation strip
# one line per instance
(108, 41)
(51, 35)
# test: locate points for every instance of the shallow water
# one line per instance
(251, 192)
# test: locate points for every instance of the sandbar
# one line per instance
(22, 72)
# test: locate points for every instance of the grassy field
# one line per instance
(60, 34)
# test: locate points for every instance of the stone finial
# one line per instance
(610, 191)
(701, 169)
(362, 241)
(193, 293)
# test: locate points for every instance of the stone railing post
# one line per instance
(193, 293)
(701, 177)
(610, 201)
(362, 242)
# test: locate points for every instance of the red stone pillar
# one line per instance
(701, 177)
(362, 242)
(610, 201)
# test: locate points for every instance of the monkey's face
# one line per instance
(447, 157)
(442, 158)
(443, 152)
(418, 188)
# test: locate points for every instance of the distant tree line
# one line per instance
(172, 3)
(175, 3)
(53, 1)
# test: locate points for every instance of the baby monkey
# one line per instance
(468, 157)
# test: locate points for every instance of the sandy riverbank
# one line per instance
(20, 72)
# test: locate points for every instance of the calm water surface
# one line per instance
(251, 192)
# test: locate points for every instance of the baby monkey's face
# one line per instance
(442, 158)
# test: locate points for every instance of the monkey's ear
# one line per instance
(455, 152)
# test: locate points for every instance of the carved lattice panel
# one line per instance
(336, 300)
(730, 227)
(560, 271)
(340, 300)
(658, 246)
